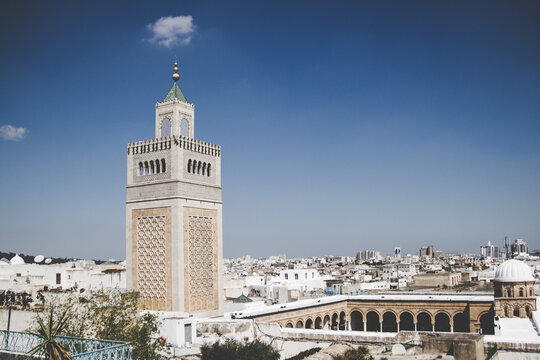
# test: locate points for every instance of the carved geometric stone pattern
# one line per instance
(202, 263)
(151, 258)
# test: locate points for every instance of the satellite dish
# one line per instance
(48, 260)
(39, 258)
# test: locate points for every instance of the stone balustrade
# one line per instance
(148, 146)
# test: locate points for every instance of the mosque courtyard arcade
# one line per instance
(384, 313)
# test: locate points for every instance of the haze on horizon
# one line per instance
(343, 126)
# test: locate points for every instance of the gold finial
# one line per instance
(175, 76)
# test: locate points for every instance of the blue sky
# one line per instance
(344, 125)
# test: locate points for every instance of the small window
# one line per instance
(521, 294)
(530, 292)
(286, 276)
(58, 278)
(189, 166)
(184, 127)
(157, 167)
(141, 169)
(204, 169)
(208, 170)
(165, 128)
(508, 293)
(516, 312)
(146, 168)
(152, 169)
(295, 276)
(163, 168)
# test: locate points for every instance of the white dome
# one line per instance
(513, 271)
(16, 260)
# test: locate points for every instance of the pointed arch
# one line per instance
(163, 168)
(204, 169)
(141, 169)
(146, 168)
(158, 168)
(189, 166)
(208, 170)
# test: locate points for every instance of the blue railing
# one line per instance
(80, 349)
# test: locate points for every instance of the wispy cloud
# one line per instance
(172, 30)
(8, 132)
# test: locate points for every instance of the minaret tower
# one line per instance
(174, 213)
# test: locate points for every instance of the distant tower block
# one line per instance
(174, 213)
(397, 253)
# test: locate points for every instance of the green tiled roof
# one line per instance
(175, 93)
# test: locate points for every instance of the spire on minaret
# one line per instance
(175, 76)
(175, 93)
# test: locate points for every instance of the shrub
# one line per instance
(305, 354)
(233, 349)
(360, 353)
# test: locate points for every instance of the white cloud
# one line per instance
(171, 30)
(8, 132)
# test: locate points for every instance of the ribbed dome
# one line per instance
(16, 260)
(513, 271)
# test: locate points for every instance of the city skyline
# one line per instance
(343, 128)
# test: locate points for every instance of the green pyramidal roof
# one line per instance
(175, 93)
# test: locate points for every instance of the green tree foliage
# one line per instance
(111, 316)
(360, 353)
(48, 346)
(232, 349)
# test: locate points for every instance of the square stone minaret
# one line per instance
(174, 213)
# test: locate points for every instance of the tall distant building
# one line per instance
(519, 246)
(489, 250)
(397, 253)
(368, 255)
(427, 251)
(174, 213)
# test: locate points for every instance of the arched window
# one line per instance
(141, 170)
(521, 294)
(516, 312)
(199, 165)
(530, 292)
(184, 127)
(146, 168)
(508, 293)
(163, 168)
(152, 170)
(157, 167)
(165, 127)
(208, 170)
(204, 169)
(189, 166)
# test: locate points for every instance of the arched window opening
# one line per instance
(199, 166)
(460, 323)
(204, 169)
(141, 169)
(189, 166)
(157, 167)
(373, 323)
(357, 321)
(334, 322)
(442, 322)
(326, 322)
(528, 311)
(152, 169)
(342, 321)
(146, 168)
(487, 324)
(424, 322)
(508, 293)
(406, 321)
(289, 325)
(165, 127)
(184, 127)
(521, 294)
(516, 312)
(389, 322)
(208, 170)
(163, 168)
(299, 324)
(530, 292)
(309, 324)
(318, 323)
